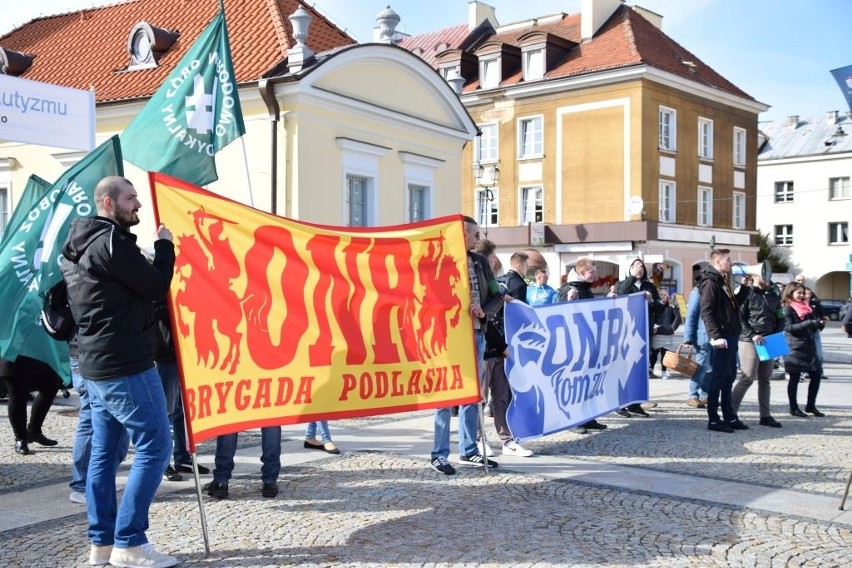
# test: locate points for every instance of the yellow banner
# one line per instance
(279, 322)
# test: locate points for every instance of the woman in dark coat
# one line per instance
(800, 326)
(22, 376)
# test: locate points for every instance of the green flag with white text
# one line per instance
(192, 116)
(32, 192)
(30, 256)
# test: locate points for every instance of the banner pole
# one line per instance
(481, 419)
(248, 174)
(200, 503)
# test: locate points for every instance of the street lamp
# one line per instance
(486, 177)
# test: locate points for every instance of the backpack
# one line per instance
(56, 317)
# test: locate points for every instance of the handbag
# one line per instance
(684, 365)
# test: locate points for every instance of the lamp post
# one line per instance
(486, 177)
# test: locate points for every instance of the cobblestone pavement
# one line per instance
(379, 504)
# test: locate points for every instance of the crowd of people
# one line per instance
(125, 372)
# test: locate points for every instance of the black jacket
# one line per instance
(584, 289)
(111, 290)
(631, 285)
(719, 312)
(516, 286)
(760, 313)
(165, 347)
(490, 299)
(799, 334)
(668, 318)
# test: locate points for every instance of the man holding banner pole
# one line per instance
(485, 302)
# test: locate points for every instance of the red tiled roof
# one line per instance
(431, 44)
(625, 40)
(89, 48)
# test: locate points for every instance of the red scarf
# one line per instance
(803, 310)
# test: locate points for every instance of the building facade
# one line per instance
(805, 198)
(600, 136)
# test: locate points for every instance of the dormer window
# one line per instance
(489, 73)
(533, 64)
(450, 72)
(147, 44)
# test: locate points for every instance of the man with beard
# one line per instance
(111, 291)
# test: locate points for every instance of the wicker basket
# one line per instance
(676, 362)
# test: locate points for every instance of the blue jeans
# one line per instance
(168, 371)
(721, 368)
(270, 457)
(82, 448)
(134, 405)
(322, 426)
(468, 416)
(696, 383)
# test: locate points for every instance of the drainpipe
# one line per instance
(267, 93)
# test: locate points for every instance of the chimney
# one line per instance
(793, 121)
(832, 116)
(478, 12)
(385, 30)
(654, 18)
(593, 14)
(300, 54)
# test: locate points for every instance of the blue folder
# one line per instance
(775, 346)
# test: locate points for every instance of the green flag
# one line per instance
(32, 192)
(29, 258)
(193, 115)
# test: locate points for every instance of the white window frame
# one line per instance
(450, 72)
(740, 143)
(487, 144)
(784, 192)
(360, 160)
(705, 138)
(419, 175)
(668, 129)
(739, 210)
(705, 206)
(534, 125)
(5, 208)
(365, 204)
(838, 233)
(783, 235)
(844, 189)
(533, 64)
(489, 72)
(418, 198)
(530, 208)
(668, 201)
(481, 207)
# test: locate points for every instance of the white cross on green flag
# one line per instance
(32, 250)
(192, 116)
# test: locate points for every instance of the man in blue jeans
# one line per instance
(111, 291)
(226, 448)
(485, 301)
(720, 314)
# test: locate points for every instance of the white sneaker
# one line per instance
(99, 555)
(665, 375)
(489, 452)
(142, 556)
(512, 448)
(78, 497)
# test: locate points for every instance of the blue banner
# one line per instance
(843, 76)
(574, 361)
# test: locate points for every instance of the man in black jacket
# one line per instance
(719, 312)
(516, 286)
(111, 291)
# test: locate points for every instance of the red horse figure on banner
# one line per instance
(206, 292)
(438, 276)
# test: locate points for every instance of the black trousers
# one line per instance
(19, 386)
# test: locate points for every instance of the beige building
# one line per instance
(611, 141)
(336, 133)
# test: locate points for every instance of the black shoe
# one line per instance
(637, 409)
(595, 425)
(737, 425)
(476, 459)
(216, 489)
(720, 427)
(813, 410)
(769, 421)
(313, 446)
(797, 412)
(269, 490)
(22, 448)
(40, 438)
(187, 468)
(623, 412)
(172, 475)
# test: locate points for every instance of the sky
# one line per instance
(778, 51)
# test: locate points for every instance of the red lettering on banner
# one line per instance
(303, 395)
(349, 384)
(261, 400)
(393, 299)
(241, 401)
(205, 393)
(441, 383)
(222, 390)
(414, 382)
(345, 299)
(258, 298)
(458, 381)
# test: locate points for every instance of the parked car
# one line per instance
(832, 308)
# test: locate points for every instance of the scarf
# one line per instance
(802, 309)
